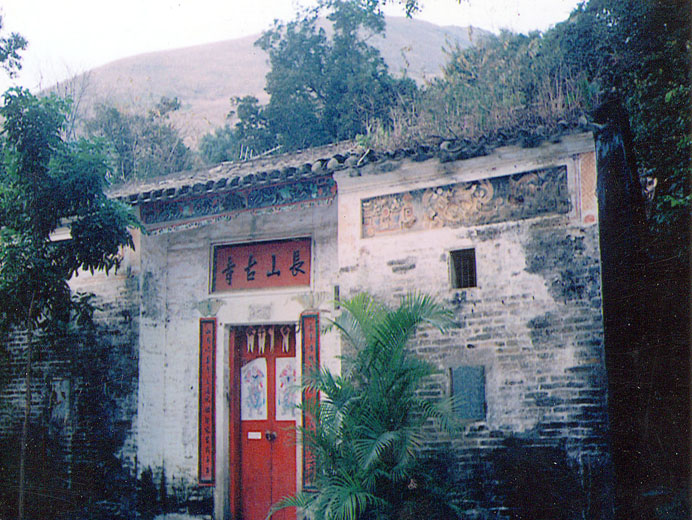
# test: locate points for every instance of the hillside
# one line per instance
(205, 77)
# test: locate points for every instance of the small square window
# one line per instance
(463, 268)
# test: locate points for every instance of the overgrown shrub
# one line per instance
(509, 84)
(368, 424)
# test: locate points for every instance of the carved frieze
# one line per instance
(254, 199)
(499, 199)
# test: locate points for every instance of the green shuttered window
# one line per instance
(468, 389)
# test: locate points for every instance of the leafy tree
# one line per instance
(250, 136)
(45, 183)
(325, 89)
(252, 129)
(640, 52)
(140, 146)
(219, 146)
(368, 426)
(10, 47)
(325, 85)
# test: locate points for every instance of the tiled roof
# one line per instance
(314, 162)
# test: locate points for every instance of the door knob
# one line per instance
(269, 435)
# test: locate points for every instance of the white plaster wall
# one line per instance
(175, 279)
(152, 353)
(530, 382)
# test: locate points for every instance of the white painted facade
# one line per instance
(173, 270)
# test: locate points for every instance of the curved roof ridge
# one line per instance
(317, 162)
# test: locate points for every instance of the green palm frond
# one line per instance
(441, 411)
(368, 425)
(370, 450)
(302, 500)
(360, 316)
(346, 499)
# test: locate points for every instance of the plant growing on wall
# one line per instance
(370, 422)
(47, 182)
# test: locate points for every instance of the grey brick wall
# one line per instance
(84, 390)
(534, 321)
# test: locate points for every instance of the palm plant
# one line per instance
(367, 429)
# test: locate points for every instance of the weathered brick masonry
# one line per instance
(84, 395)
(533, 321)
(529, 319)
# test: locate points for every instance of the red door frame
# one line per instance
(234, 423)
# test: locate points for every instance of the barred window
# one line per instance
(463, 268)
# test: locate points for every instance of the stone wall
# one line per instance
(84, 391)
(533, 321)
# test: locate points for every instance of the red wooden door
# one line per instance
(265, 419)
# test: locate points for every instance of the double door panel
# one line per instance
(265, 421)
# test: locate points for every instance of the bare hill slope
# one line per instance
(205, 77)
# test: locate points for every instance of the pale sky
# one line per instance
(67, 37)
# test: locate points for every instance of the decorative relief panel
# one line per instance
(512, 197)
(230, 203)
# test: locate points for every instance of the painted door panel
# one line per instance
(266, 383)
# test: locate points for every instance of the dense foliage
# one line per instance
(250, 136)
(640, 52)
(46, 183)
(10, 48)
(326, 84)
(506, 87)
(367, 429)
(140, 146)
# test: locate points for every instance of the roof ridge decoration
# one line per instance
(202, 208)
(273, 184)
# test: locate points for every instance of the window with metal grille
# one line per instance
(463, 267)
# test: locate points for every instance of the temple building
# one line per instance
(222, 305)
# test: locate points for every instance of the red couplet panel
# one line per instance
(207, 352)
(309, 326)
(265, 420)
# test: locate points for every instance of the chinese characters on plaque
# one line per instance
(207, 347)
(280, 263)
